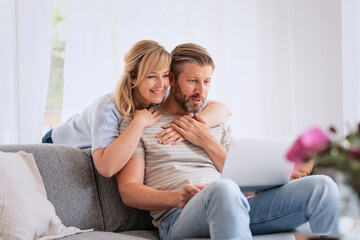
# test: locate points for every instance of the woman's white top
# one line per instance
(96, 127)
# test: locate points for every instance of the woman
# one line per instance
(142, 85)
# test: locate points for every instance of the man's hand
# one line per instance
(194, 129)
(187, 192)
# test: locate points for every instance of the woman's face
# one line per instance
(152, 88)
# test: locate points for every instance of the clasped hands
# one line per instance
(195, 130)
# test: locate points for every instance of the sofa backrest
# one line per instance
(117, 216)
(69, 180)
(81, 196)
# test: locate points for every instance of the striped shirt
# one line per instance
(169, 167)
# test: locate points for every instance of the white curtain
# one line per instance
(351, 62)
(278, 62)
(299, 65)
(25, 50)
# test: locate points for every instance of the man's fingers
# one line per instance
(178, 129)
(166, 126)
(163, 132)
(191, 189)
(171, 138)
(200, 187)
(187, 192)
(180, 123)
(188, 118)
(179, 140)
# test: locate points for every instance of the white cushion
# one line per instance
(25, 212)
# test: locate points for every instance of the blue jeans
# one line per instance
(221, 211)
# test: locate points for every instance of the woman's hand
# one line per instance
(169, 134)
(147, 117)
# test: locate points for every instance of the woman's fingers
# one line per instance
(157, 118)
(155, 113)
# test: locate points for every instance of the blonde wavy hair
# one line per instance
(143, 58)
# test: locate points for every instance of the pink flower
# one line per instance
(315, 139)
(311, 141)
(297, 152)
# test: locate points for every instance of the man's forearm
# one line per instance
(146, 198)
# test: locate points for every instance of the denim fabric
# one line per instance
(47, 137)
(221, 211)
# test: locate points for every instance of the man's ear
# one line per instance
(172, 79)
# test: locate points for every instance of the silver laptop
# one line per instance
(258, 164)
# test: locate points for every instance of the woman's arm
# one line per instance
(215, 113)
(110, 160)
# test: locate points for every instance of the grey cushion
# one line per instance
(117, 216)
(69, 181)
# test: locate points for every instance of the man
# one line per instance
(181, 185)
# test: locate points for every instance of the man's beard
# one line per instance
(184, 101)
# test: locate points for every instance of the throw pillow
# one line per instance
(25, 212)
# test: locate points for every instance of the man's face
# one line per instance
(192, 87)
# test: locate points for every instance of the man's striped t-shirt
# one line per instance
(169, 167)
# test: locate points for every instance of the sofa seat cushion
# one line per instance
(131, 235)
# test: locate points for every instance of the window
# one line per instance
(54, 99)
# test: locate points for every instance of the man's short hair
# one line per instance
(189, 53)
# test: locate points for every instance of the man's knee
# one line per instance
(323, 207)
(325, 186)
(228, 192)
(323, 192)
(328, 189)
(225, 187)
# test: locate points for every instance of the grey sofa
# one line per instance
(82, 197)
